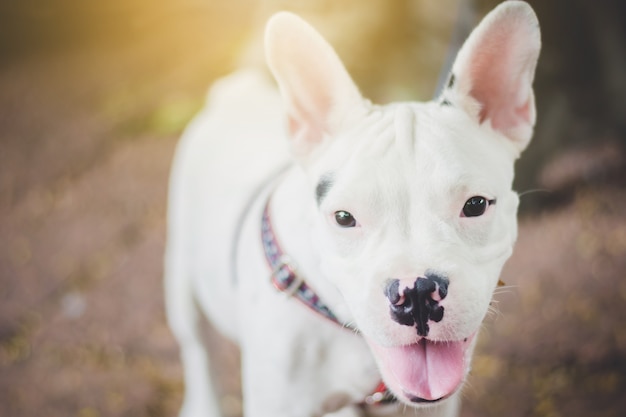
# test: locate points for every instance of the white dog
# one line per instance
(354, 280)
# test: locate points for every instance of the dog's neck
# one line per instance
(293, 211)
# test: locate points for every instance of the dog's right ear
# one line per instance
(493, 73)
(317, 89)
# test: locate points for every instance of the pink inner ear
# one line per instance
(504, 113)
(311, 104)
(293, 125)
(496, 67)
(500, 81)
(518, 115)
(318, 91)
(304, 134)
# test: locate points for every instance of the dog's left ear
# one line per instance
(493, 73)
(319, 94)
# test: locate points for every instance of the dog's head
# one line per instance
(416, 215)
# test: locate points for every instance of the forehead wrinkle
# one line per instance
(359, 145)
(451, 161)
(366, 155)
(452, 166)
(376, 163)
(404, 129)
(404, 125)
(438, 153)
(380, 128)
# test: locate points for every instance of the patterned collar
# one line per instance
(284, 275)
(285, 279)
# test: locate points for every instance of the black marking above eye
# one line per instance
(345, 219)
(323, 187)
(476, 206)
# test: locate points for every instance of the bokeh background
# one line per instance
(93, 96)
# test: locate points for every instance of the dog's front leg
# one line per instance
(297, 364)
(184, 320)
(271, 395)
(279, 376)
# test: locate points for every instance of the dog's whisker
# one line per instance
(509, 289)
(494, 312)
(533, 191)
(503, 292)
(466, 388)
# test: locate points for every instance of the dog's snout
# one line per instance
(416, 305)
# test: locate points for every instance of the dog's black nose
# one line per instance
(415, 306)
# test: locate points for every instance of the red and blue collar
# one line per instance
(284, 275)
(285, 279)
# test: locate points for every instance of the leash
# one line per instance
(284, 278)
(465, 22)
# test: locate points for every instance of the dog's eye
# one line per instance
(345, 219)
(476, 206)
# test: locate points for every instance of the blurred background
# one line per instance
(93, 97)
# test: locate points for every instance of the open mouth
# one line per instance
(424, 372)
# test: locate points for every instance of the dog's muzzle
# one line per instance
(419, 304)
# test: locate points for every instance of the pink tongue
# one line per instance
(425, 370)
